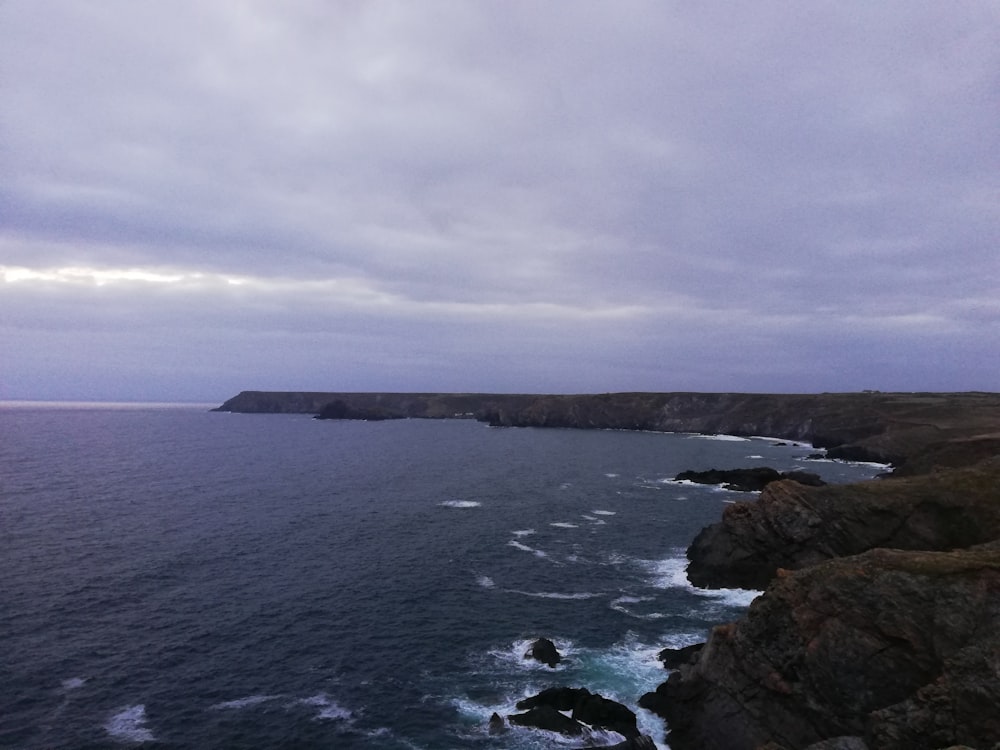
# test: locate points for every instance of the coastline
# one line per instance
(939, 513)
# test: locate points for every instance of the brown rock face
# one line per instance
(793, 526)
(900, 648)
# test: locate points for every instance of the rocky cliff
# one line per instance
(793, 526)
(887, 427)
(899, 650)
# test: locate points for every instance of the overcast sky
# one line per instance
(203, 197)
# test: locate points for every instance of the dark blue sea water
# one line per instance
(177, 578)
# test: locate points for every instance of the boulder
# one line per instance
(549, 719)
(897, 648)
(792, 526)
(589, 708)
(497, 725)
(545, 651)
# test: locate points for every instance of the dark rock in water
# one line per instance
(748, 480)
(549, 719)
(745, 480)
(544, 650)
(898, 648)
(589, 708)
(497, 724)
(792, 526)
(559, 698)
(603, 713)
(672, 658)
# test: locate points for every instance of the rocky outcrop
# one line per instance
(748, 480)
(793, 526)
(899, 648)
(545, 651)
(587, 708)
(672, 658)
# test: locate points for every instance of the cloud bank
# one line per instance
(499, 196)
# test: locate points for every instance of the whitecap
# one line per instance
(249, 701)
(672, 573)
(129, 725)
(564, 525)
(755, 456)
(486, 582)
(588, 518)
(605, 512)
(73, 683)
(523, 532)
(611, 476)
(514, 654)
(556, 594)
(460, 504)
(328, 708)
(725, 438)
(525, 548)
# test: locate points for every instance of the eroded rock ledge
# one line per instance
(794, 526)
(896, 649)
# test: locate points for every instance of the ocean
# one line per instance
(178, 578)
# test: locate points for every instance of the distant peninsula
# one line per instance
(909, 430)
(879, 626)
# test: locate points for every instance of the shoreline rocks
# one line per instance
(898, 648)
(753, 479)
(794, 526)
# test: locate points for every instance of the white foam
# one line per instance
(755, 456)
(523, 532)
(620, 605)
(564, 525)
(129, 725)
(604, 512)
(486, 582)
(555, 594)
(672, 573)
(514, 654)
(611, 476)
(249, 701)
(588, 518)
(725, 438)
(460, 504)
(525, 548)
(328, 708)
(73, 683)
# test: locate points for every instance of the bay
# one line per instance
(180, 578)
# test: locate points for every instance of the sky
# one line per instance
(198, 198)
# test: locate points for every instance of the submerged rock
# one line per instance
(897, 648)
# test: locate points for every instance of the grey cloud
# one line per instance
(748, 180)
